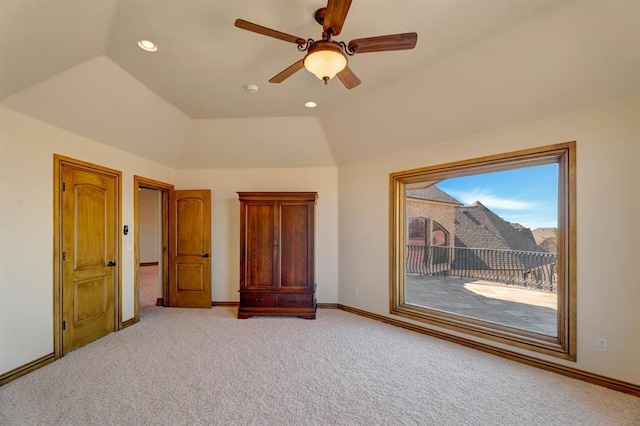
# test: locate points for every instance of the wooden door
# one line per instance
(190, 248)
(89, 255)
(259, 255)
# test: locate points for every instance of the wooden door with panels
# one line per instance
(190, 249)
(87, 237)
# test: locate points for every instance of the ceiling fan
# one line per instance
(327, 58)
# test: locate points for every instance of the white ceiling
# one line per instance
(478, 65)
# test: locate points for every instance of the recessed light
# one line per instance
(310, 104)
(251, 88)
(147, 45)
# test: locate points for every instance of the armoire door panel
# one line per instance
(260, 246)
(294, 246)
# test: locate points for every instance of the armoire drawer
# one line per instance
(294, 300)
(258, 299)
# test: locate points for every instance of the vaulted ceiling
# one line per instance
(478, 65)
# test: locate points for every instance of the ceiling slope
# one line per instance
(40, 38)
(478, 65)
(99, 100)
(204, 61)
(576, 56)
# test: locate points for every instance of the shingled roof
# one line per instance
(432, 193)
(479, 227)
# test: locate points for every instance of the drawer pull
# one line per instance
(259, 299)
(293, 300)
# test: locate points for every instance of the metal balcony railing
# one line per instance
(512, 267)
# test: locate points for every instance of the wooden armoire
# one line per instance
(277, 271)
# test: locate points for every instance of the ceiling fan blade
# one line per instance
(292, 69)
(336, 14)
(403, 41)
(249, 26)
(348, 78)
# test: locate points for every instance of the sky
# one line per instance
(528, 195)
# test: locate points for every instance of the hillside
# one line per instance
(547, 238)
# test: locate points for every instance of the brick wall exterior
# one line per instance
(442, 213)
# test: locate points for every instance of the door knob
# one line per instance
(205, 255)
(111, 263)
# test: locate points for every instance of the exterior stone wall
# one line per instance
(442, 213)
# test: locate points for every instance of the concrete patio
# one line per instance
(518, 307)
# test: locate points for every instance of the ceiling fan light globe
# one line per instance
(325, 63)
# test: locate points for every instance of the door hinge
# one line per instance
(64, 255)
(64, 186)
(64, 325)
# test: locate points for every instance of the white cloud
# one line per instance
(531, 221)
(491, 201)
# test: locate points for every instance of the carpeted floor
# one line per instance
(148, 284)
(197, 367)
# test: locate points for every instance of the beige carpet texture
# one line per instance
(205, 367)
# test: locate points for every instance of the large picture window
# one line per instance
(487, 247)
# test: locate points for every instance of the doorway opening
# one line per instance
(151, 242)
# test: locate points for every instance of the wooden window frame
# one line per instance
(564, 155)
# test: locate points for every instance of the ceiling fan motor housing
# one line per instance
(319, 15)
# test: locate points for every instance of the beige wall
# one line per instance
(26, 228)
(225, 211)
(608, 252)
(149, 223)
(353, 198)
(26, 225)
